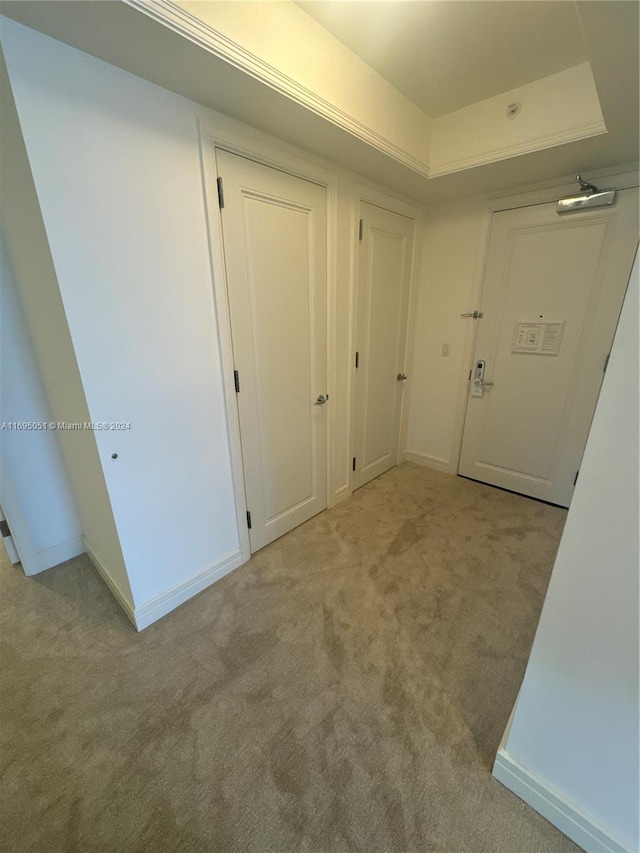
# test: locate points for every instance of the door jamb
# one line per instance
(614, 180)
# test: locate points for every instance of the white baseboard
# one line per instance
(341, 495)
(56, 554)
(428, 461)
(164, 603)
(120, 597)
(550, 803)
(149, 612)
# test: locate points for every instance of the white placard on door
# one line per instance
(538, 338)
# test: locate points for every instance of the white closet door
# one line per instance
(383, 297)
(553, 290)
(275, 238)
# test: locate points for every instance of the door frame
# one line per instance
(614, 178)
(216, 131)
(363, 193)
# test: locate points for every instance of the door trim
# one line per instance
(614, 179)
(218, 132)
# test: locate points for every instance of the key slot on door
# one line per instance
(477, 382)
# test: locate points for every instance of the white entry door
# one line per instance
(386, 252)
(553, 290)
(275, 239)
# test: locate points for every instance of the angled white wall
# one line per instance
(116, 168)
(572, 750)
(34, 488)
(27, 245)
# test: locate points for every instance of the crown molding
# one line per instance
(529, 147)
(185, 24)
(197, 31)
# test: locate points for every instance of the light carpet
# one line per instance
(346, 690)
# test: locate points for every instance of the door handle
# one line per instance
(321, 400)
(478, 384)
(401, 377)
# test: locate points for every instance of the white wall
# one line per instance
(451, 267)
(31, 460)
(575, 729)
(27, 245)
(115, 162)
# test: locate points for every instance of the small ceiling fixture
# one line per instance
(513, 110)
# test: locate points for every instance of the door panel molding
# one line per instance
(384, 291)
(275, 234)
(219, 132)
(624, 177)
(364, 193)
(578, 270)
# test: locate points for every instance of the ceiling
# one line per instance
(446, 55)
(121, 35)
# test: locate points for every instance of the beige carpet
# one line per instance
(344, 691)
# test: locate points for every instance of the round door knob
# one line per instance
(321, 400)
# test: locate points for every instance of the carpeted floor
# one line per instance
(346, 690)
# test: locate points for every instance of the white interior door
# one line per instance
(553, 290)
(275, 238)
(383, 297)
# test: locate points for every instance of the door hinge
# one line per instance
(575, 479)
(361, 229)
(353, 464)
(606, 363)
(248, 519)
(236, 381)
(4, 529)
(357, 359)
(473, 315)
(220, 193)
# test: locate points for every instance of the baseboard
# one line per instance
(341, 495)
(550, 803)
(428, 461)
(164, 603)
(56, 554)
(120, 597)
